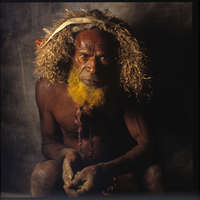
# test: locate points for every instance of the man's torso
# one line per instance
(104, 134)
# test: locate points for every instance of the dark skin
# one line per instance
(113, 153)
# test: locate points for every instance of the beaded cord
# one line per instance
(79, 124)
(80, 110)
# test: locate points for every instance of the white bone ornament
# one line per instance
(78, 20)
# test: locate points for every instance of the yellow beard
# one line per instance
(81, 93)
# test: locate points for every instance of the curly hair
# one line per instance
(54, 60)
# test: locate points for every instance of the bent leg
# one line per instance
(128, 183)
(45, 178)
(125, 183)
(141, 180)
(152, 179)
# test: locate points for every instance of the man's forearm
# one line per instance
(137, 157)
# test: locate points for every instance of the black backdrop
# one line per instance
(164, 29)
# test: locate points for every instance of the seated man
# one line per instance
(93, 134)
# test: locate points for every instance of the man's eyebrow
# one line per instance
(81, 50)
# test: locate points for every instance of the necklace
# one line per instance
(79, 113)
(77, 121)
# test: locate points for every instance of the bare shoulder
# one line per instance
(48, 94)
(42, 82)
(44, 88)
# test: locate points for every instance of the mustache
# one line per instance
(90, 77)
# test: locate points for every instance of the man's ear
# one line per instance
(38, 43)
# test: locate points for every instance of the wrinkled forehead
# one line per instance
(91, 39)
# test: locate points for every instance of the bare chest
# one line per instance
(65, 113)
(101, 134)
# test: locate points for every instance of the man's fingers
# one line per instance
(70, 192)
(77, 180)
(75, 193)
(79, 186)
(86, 187)
(76, 188)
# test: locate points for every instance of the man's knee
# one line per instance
(44, 177)
(152, 172)
(127, 182)
(47, 171)
(153, 179)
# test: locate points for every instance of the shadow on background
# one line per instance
(170, 49)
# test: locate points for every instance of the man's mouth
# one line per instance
(91, 82)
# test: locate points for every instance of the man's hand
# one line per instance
(87, 180)
(71, 164)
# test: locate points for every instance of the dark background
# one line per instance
(164, 29)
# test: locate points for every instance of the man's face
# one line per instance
(92, 57)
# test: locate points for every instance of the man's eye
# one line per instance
(84, 56)
(103, 59)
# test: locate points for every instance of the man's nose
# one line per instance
(92, 65)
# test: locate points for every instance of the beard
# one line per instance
(83, 94)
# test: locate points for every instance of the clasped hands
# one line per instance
(79, 181)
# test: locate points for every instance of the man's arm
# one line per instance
(138, 157)
(52, 148)
(141, 154)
